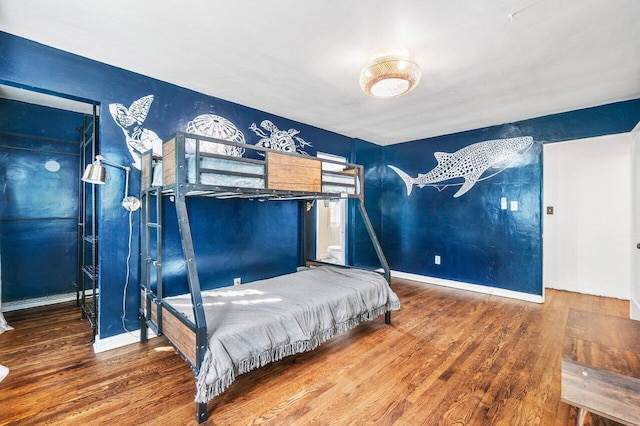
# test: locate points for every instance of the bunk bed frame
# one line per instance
(286, 176)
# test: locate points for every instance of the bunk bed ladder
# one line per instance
(151, 264)
(194, 288)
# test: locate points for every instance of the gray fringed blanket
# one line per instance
(257, 323)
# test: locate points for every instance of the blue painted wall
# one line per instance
(223, 241)
(478, 242)
(618, 117)
(362, 252)
(38, 207)
(232, 238)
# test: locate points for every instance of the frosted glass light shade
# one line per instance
(390, 76)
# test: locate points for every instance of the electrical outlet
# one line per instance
(437, 259)
(514, 206)
(237, 281)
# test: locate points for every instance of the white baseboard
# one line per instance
(494, 291)
(634, 308)
(37, 301)
(119, 340)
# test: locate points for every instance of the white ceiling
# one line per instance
(483, 62)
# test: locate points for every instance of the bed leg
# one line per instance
(143, 329)
(387, 317)
(201, 411)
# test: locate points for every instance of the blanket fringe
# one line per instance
(205, 392)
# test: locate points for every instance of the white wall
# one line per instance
(586, 243)
(635, 224)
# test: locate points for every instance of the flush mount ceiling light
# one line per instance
(390, 76)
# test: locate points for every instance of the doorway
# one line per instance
(331, 218)
(40, 137)
(587, 216)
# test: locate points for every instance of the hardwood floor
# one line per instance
(450, 358)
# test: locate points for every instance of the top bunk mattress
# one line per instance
(264, 321)
(218, 179)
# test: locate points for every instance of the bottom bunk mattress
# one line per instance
(257, 323)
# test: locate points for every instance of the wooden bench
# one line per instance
(601, 366)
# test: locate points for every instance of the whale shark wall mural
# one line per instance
(470, 164)
(137, 138)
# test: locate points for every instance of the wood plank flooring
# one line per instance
(450, 358)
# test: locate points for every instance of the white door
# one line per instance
(635, 223)
(587, 230)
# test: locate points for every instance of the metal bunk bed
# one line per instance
(195, 165)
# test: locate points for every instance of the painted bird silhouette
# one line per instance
(138, 139)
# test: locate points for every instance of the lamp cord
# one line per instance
(126, 282)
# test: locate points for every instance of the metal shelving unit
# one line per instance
(88, 273)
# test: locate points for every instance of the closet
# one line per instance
(40, 161)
